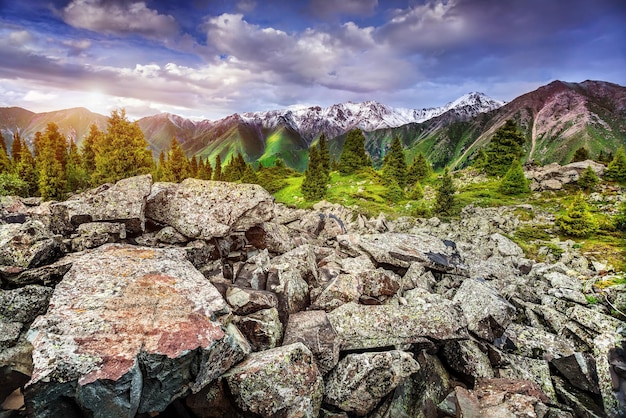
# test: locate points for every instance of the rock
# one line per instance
(342, 289)
(212, 402)
(9, 333)
(362, 326)
(263, 329)
(400, 250)
(271, 236)
(28, 245)
(24, 304)
(461, 403)
(246, 301)
(580, 402)
(550, 184)
(302, 260)
(314, 330)
(487, 313)
(95, 234)
(253, 273)
(169, 235)
(379, 283)
(16, 366)
(129, 329)
(123, 202)
(606, 347)
(283, 381)
(501, 397)
(506, 247)
(48, 275)
(466, 357)
(535, 343)
(593, 321)
(580, 371)
(560, 280)
(201, 209)
(524, 368)
(360, 381)
(290, 288)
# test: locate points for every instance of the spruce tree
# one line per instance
(176, 167)
(3, 144)
(514, 181)
(75, 174)
(88, 152)
(504, 148)
(480, 161)
(581, 154)
(235, 168)
(324, 155)
(588, 179)
(50, 163)
(616, 169)
(419, 170)
(5, 162)
(206, 171)
(353, 156)
(577, 221)
(16, 149)
(394, 164)
(417, 192)
(217, 172)
(249, 175)
(122, 152)
(193, 167)
(445, 201)
(159, 168)
(314, 183)
(27, 171)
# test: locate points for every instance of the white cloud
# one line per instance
(38, 96)
(129, 18)
(246, 6)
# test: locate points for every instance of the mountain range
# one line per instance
(556, 119)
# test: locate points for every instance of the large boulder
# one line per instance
(28, 245)
(372, 326)
(123, 202)
(283, 382)
(129, 329)
(202, 209)
(360, 381)
(400, 250)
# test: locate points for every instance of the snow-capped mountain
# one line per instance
(368, 116)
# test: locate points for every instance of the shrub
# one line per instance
(514, 182)
(588, 179)
(577, 220)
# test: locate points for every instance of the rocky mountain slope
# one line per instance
(207, 299)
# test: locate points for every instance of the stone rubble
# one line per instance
(207, 299)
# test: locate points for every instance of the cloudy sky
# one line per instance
(211, 58)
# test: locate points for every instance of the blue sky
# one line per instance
(206, 59)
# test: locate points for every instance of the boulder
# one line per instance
(608, 347)
(487, 313)
(314, 330)
(536, 343)
(506, 247)
(170, 235)
(360, 381)
(524, 368)
(342, 289)
(581, 403)
(502, 397)
(24, 304)
(363, 326)
(129, 329)
(245, 301)
(201, 209)
(123, 202)
(16, 366)
(253, 272)
(580, 371)
(28, 245)
(48, 275)
(400, 250)
(271, 236)
(95, 234)
(283, 381)
(263, 328)
(467, 358)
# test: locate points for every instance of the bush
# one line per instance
(12, 185)
(514, 182)
(616, 169)
(577, 220)
(417, 192)
(588, 179)
(445, 201)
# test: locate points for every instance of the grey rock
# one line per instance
(360, 381)
(605, 349)
(124, 202)
(525, 368)
(466, 357)
(487, 313)
(580, 371)
(506, 247)
(263, 328)
(593, 321)
(201, 209)
(534, 343)
(342, 289)
(169, 235)
(253, 272)
(48, 275)
(28, 245)
(9, 333)
(129, 329)
(95, 234)
(283, 381)
(246, 301)
(24, 304)
(361, 326)
(581, 403)
(271, 236)
(314, 330)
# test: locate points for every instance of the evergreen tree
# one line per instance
(37, 144)
(394, 192)
(353, 156)
(514, 182)
(504, 148)
(88, 152)
(445, 201)
(193, 167)
(417, 192)
(249, 175)
(3, 144)
(235, 168)
(217, 172)
(57, 142)
(50, 162)
(27, 171)
(620, 218)
(324, 155)
(122, 152)
(480, 161)
(75, 173)
(419, 170)
(315, 179)
(176, 167)
(5, 162)
(394, 164)
(16, 149)
(206, 171)
(616, 169)
(11, 184)
(588, 179)
(577, 220)
(581, 154)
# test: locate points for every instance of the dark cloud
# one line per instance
(329, 8)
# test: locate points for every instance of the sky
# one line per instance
(207, 59)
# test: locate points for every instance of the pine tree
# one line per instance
(616, 169)
(176, 167)
(217, 172)
(27, 171)
(122, 152)
(206, 171)
(50, 162)
(249, 175)
(514, 181)
(235, 168)
(394, 164)
(445, 201)
(353, 156)
(57, 142)
(3, 144)
(581, 154)
(588, 179)
(5, 162)
(324, 155)
(577, 220)
(504, 148)
(419, 170)
(193, 167)
(16, 149)
(314, 183)
(75, 173)
(480, 161)
(417, 192)
(88, 152)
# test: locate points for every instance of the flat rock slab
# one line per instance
(401, 250)
(206, 209)
(124, 202)
(375, 326)
(128, 330)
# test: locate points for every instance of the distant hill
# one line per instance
(556, 119)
